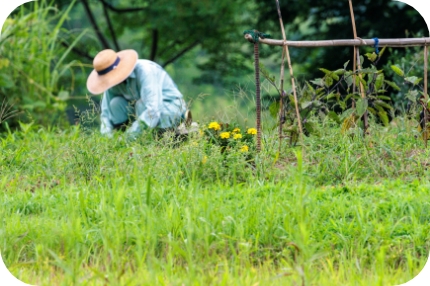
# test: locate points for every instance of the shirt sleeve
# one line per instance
(106, 127)
(149, 79)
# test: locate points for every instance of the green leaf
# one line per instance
(330, 95)
(328, 81)
(392, 84)
(383, 97)
(348, 96)
(330, 74)
(349, 79)
(339, 72)
(379, 81)
(361, 106)
(318, 81)
(274, 109)
(359, 79)
(384, 117)
(398, 70)
(382, 104)
(412, 95)
(372, 110)
(345, 65)
(306, 104)
(334, 116)
(371, 56)
(413, 79)
(310, 87)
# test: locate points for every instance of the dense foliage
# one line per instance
(36, 79)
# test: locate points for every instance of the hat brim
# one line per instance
(97, 84)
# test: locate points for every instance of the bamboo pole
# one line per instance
(357, 62)
(398, 42)
(354, 65)
(281, 77)
(293, 84)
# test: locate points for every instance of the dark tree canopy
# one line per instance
(165, 30)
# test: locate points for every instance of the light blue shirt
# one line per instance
(161, 104)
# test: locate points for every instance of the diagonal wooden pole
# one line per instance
(281, 77)
(293, 84)
(357, 61)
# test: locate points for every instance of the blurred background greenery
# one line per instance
(47, 47)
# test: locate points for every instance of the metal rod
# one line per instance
(425, 107)
(257, 95)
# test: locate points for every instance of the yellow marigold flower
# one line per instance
(215, 126)
(224, 135)
(237, 136)
(252, 131)
(236, 130)
(244, 148)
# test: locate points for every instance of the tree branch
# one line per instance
(169, 47)
(121, 10)
(181, 53)
(99, 34)
(154, 45)
(112, 31)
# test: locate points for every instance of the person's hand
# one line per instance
(108, 134)
(134, 128)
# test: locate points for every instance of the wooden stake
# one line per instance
(357, 57)
(293, 84)
(281, 77)
(354, 65)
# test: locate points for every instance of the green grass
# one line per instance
(80, 209)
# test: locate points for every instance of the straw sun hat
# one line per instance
(110, 69)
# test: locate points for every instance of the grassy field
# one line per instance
(80, 209)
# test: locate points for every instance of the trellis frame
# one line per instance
(357, 42)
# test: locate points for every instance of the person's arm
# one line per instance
(106, 127)
(151, 96)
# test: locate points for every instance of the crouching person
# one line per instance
(137, 94)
